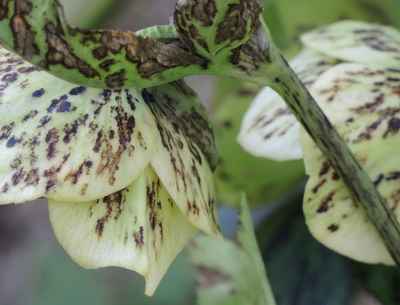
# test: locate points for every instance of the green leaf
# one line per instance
(236, 275)
(211, 28)
(302, 271)
(269, 129)
(139, 228)
(65, 142)
(161, 33)
(263, 180)
(362, 103)
(363, 42)
(93, 58)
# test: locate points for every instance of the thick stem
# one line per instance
(357, 181)
(260, 61)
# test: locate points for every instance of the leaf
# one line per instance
(269, 129)
(139, 228)
(161, 33)
(67, 142)
(220, 278)
(263, 180)
(362, 103)
(93, 58)
(363, 43)
(212, 28)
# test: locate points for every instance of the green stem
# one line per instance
(357, 181)
(273, 71)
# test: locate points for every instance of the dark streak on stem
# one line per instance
(339, 155)
(261, 62)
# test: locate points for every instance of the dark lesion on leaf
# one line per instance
(234, 23)
(204, 12)
(59, 52)
(143, 57)
(248, 57)
(24, 36)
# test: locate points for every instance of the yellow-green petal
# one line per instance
(362, 102)
(180, 162)
(268, 128)
(357, 41)
(65, 142)
(139, 228)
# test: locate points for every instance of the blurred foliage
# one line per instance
(89, 13)
(302, 271)
(228, 272)
(262, 180)
(382, 281)
(63, 282)
(288, 19)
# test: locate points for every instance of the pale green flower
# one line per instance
(352, 69)
(127, 172)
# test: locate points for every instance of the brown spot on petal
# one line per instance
(333, 228)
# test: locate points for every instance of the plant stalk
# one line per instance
(261, 62)
(357, 181)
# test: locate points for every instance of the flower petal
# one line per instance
(139, 228)
(56, 139)
(357, 41)
(184, 105)
(180, 163)
(362, 102)
(268, 128)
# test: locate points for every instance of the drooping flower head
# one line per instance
(128, 172)
(352, 69)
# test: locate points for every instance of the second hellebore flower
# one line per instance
(352, 69)
(127, 172)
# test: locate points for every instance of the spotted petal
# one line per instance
(180, 162)
(357, 41)
(362, 102)
(268, 128)
(65, 142)
(139, 228)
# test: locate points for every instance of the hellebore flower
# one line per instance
(128, 173)
(352, 69)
